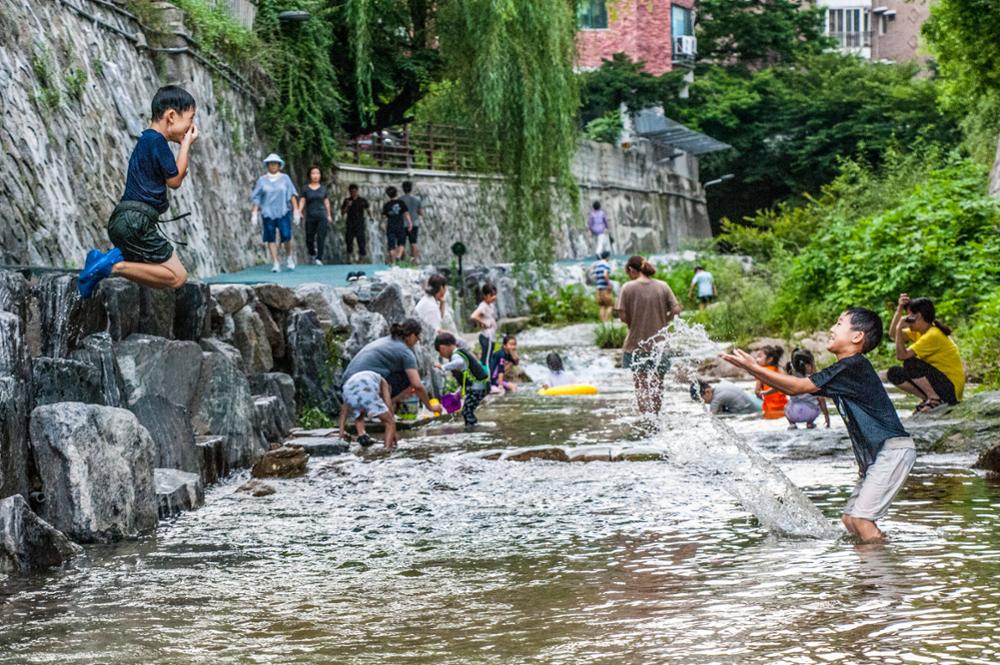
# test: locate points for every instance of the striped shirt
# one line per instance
(602, 273)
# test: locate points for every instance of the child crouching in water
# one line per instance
(804, 408)
(502, 365)
(774, 400)
(471, 375)
(558, 376)
(367, 394)
(884, 451)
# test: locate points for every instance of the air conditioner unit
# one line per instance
(685, 45)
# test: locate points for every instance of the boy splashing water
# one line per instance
(140, 251)
(884, 451)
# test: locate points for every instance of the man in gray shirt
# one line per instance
(415, 208)
(726, 398)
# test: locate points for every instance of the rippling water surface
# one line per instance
(435, 555)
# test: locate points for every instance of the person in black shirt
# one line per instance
(353, 210)
(398, 224)
(314, 205)
(884, 451)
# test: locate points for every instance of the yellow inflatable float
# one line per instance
(572, 389)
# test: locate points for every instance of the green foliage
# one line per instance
(610, 335)
(311, 417)
(981, 341)
(618, 81)
(76, 82)
(572, 303)
(219, 33)
(605, 129)
(48, 96)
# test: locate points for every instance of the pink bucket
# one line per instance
(452, 402)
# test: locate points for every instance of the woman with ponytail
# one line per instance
(932, 367)
(646, 306)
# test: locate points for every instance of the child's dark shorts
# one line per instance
(132, 229)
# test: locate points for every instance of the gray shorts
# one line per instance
(363, 395)
(874, 493)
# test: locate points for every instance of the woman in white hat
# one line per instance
(275, 205)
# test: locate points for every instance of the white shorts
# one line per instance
(874, 493)
(363, 395)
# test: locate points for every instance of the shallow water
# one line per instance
(434, 555)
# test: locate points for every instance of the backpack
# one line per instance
(477, 369)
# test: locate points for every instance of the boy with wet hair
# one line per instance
(140, 251)
(472, 376)
(884, 451)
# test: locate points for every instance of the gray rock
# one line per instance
(271, 418)
(156, 366)
(96, 467)
(97, 350)
(212, 450)
(275, 334)
(989, 460)
(177, 492)
(14, 407)
(250, 338)
(192, 319)
(65, 380)
(232, 297)
(156, 312)
(307, 356)
(29, 544)
(277, 297)
(278, 384)
(319, 447)
(62, 317)
(14, 293)
(328, 304)
(288, 461)
(255, 487)
(543, 453)
(121, 302)
(222, 405)
(365, 327)
(169, 425)
(216, 345)
(388, 302)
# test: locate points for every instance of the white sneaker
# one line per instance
(317, 262)
(291, 262)
(276, 267)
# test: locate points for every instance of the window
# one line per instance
(592, 14)
(680, 22)
(883, 24)
(851, 28)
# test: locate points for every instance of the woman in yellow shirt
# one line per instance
(932, 367)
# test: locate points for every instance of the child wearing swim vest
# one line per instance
(469, 372)
(774, 400)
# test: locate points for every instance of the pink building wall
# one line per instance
(639, 28)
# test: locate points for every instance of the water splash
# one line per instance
(720, 455)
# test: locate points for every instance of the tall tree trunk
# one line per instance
(995, 174)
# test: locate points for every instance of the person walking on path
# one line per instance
(354, 209)
(275, 206)
(398, 224)
(141, 253)
(415, 207)
(706, 287)
(597, 223)
(646, 306)
(932, 367)
(314, 205)
(601, 270)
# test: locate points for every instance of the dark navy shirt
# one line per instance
(394, 211)
(864, 405)
(149, 168)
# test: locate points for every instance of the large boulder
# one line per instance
(277, 297)
(231, 298)
(156, 312)
(279, 385)
(96, 467)
(191, 312)
(272, 420)
(156, 366)
(169, 425)
(328, 304)
(28, 543)
(389, 302)
(14, 406)
(65, 380)
(14, 293)
(121, 302)
(98, 350)
(273, 331)
(177, 491)
(250, 337)
(222, 404)
(212, 451)
(59, 318)
(307, 355)
(365, 327)
(989, 460)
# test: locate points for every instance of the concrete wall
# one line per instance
(653, 206)
(64, 161)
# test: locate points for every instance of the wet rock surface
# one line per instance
(150, 365)
(321, 446)
(14, 405)
(65, 380)
(255, 487)
(169, 426)
(96, 467)
(212, 458)
(288, 461)
(272, 419)
(121, 302)
(98, 350)
(307, 359)
(192, 311)
(177, 492)
(29, 544)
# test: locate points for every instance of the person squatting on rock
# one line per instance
(472, 375)
(141, 253)
(804, 408)
(314, 206)
(275, 206)
(366, 394)
(884, 450)
(932, 367)
(503, 365)
(354, 209)
(727, 399)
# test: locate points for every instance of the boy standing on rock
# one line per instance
(140, 251)
(884, 451)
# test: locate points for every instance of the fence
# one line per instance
(434, 147)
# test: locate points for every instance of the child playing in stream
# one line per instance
(884, 451)
(503, 363)
(774, 400)
(366, 394)
(558, 376)
(804, 408)
(485, 316)
(140, 251)
(472, 376)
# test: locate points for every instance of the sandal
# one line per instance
(928, 406)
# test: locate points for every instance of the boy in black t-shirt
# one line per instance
(884, 451)
(398, 224)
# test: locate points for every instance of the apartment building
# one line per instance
(882, 30)
(657, 32)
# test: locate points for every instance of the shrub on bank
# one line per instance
(572, 303)
(610, 335)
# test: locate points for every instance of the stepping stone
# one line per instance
(322, 433)
(320, 446)
(177, 491)
(288, 461)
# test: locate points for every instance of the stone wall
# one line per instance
(75, 95)
(653, 206)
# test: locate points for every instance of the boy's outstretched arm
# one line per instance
(182, 157)
(790, 385)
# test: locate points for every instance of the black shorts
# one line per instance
(132, 229)
(411, 235)
(706, 299)
(915, 368)
(396, 237)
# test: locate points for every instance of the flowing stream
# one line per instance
(434, 554)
